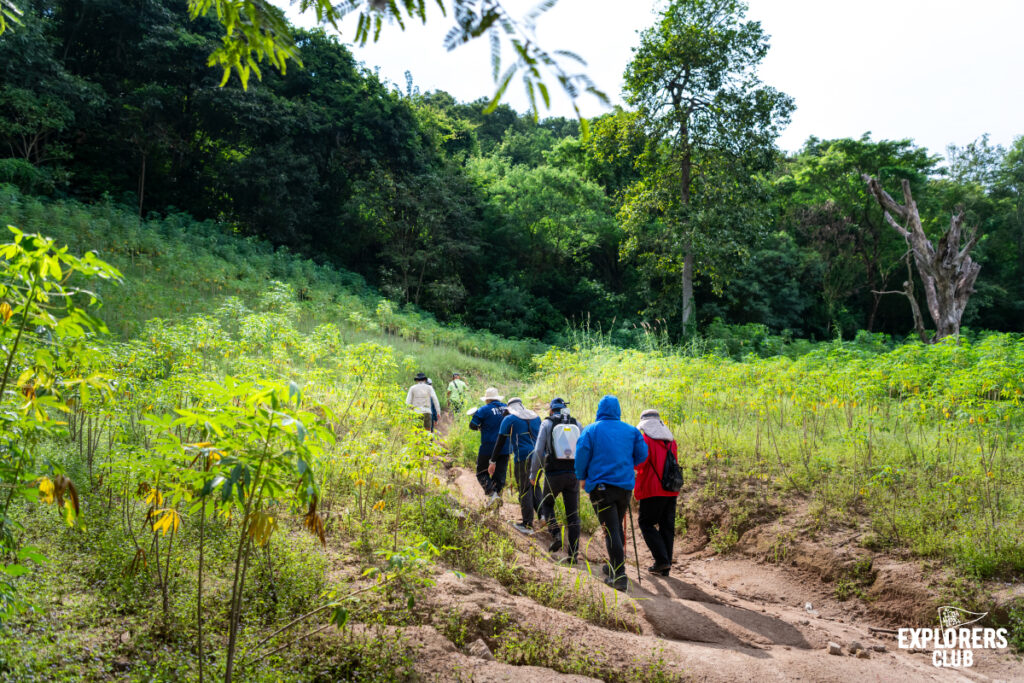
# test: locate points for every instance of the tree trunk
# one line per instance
(685, 178)
(947, 271)
(687, 288)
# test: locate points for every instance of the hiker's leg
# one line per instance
(537, 490)
(483, 461)
(648, 519)
(546, 508)
(428, 422)
(620, 498)
(557, 486)
(667, 526)
(609, 513)
(500, 473)
(571, 498)
(526, 504)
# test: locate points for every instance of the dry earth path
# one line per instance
(714, 619)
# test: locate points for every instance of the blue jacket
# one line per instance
(522, 434)
(487, 419)
(609, 449)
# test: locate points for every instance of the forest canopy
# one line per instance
(496, 220)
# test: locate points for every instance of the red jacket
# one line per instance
(648, 473)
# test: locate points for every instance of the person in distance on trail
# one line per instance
(520, 427)
(606, 455)
(423, 400)
(457, 393)
(555, 454)
(657, 504)
(487, 420)
(435, 411)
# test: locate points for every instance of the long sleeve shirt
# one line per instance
(423, 399)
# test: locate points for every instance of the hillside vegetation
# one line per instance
(923, 443)
(224, 471)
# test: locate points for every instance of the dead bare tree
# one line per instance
(947, 271)
(908, 291)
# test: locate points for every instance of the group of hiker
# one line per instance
(423, 399)
(612, 461)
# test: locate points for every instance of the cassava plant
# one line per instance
(45, 334)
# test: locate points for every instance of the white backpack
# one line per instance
(564, 436)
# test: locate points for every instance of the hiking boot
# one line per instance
(619, 584)
(494, 500)
(660, 569)
(556, 546)
(606, 570)
(523, 529)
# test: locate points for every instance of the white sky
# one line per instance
(938, 71)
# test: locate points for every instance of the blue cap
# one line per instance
(558, 404)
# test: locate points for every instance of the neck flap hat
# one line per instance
(516, 407)
(651, 425)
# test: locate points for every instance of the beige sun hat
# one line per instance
(492, 395)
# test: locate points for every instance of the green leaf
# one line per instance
(339, 617)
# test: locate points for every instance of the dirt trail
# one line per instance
(714, 619)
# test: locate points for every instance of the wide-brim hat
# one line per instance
(558, 404)
(491, 394)
(420, 377)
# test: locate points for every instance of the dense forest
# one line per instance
(495, 220)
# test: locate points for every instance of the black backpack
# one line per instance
(671, 473)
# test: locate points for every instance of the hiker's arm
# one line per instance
(639, 449)
(540, 447)
(433, 398)
(498, 446)
(582, 456)
(408, 397)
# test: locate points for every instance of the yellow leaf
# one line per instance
(154, 497)
(167, 522)
(261, 526)
(46, 490)
(5, 312)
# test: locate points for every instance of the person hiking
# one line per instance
(435, 411)
(457, 393)
(606, 454)
(519, 427)
(555, 454)
(487, 420)
(657, 504)
(423, 400)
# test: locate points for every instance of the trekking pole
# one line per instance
(636, 554)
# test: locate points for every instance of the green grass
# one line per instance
(176, 267)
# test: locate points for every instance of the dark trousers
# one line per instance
(610, 503)
(529, 495)
(483, 460)
(563, 484)
(657, 521)
(428, 422)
